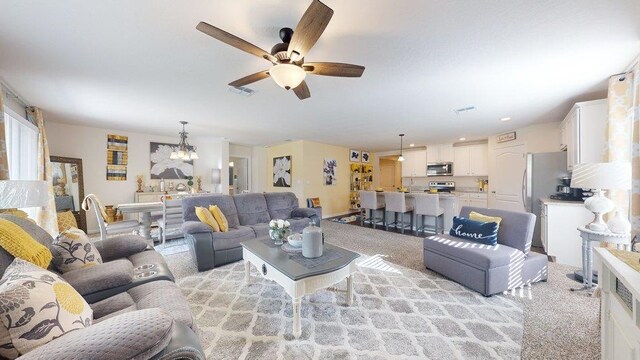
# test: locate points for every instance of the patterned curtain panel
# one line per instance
(47, 217)
(4, 160)
(623, 137)
(635, 151)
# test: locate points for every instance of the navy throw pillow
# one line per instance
(478, 231)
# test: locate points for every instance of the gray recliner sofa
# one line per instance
(248, 216)
(489, 269)
(150, 320)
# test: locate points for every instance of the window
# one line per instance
(22, 146)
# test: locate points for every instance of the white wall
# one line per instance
(259, 169)
(90, 145)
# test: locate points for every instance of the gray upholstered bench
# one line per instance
(484, 268)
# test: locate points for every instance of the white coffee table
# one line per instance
(296, 278)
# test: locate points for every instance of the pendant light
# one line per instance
(401, 158)
(185, 151)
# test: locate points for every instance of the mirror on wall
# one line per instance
(68, 186)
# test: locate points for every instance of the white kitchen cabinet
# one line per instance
(415, 163)
(583, 133)
(440, 153)
(472, 160)
(559, 222)
(471, 199)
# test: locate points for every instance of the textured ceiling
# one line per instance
(142, 66)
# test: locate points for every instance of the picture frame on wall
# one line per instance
(354, 155)
(366, 157)
(329, 171)
(282, 171)
(163, 167)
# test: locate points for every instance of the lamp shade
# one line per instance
(610, 175)
(287, 76)
(215, 177)
(23, 194)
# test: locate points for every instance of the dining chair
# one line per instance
(118, 227)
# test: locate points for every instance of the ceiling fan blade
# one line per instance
(234, 41)
(309, 29)
(250, 79)
(302, 91)
(333, 69)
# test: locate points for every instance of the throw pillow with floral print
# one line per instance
(72, 250)
(37, 306)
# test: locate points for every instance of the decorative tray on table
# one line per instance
(291, 249)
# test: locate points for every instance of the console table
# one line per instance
(588, 237)
(620, 314)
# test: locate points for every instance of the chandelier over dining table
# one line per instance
(184, 151)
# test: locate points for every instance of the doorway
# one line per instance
(238, 175)
(390, 173)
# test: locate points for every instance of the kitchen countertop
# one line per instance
(548, 201)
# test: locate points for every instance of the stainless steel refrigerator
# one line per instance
(540, 180)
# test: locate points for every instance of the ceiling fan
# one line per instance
(289, 68)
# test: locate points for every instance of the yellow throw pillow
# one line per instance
(66, 221)
(220, 218)
(205, 216)
(20, 244)
(484, 218)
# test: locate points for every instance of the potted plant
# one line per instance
(189, 181)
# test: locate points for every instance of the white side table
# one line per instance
(588, 237)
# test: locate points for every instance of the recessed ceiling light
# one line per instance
(505, 118)
(462, 139)
(412, 145)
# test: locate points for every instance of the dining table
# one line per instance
(144, 209)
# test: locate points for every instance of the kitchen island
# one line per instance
(448, 202)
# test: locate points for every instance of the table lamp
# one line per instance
(216, 178)
(15, 194)
(598, 177)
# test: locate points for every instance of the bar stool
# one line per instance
(369, 200)
(396, 202)
(429, 205)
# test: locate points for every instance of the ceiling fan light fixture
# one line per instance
(287, 76)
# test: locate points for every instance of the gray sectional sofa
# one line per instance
(489, 269)
(248, 216)
(141, 318)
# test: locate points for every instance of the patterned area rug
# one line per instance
(397, 313)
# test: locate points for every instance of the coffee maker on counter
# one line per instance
(566, 193)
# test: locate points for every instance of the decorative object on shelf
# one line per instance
(184, 150)
(181, 187)
(162, 185)
(198, 183)
(354, 155)
(312, 241)
(282, 171)
(401, 158)
(619, 223)
(599, 177)
(171, 186)
(111, 213)
(117, 157)
(162, 166)
(278, 230)
(510, 136)
(329, 171)
(189, 181)
(366, 157)
(139, 181)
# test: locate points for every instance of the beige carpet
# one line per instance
(558, 323)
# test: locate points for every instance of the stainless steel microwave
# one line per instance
(440, 169)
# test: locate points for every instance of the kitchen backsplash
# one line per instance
(461, 181)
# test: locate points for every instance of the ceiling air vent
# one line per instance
(464, 110)
(241, 90)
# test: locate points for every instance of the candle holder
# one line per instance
(139, 183)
